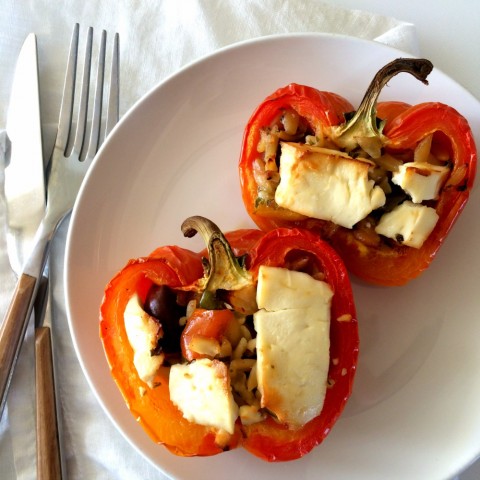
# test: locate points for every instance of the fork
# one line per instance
(68, 164)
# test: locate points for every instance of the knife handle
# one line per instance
(13, 330)
(48, 445)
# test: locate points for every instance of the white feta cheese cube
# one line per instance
(142, 333)
(326, 184)
(201, 390)
(422, 181)
(293, 344)
(411, 221)
(279, 289)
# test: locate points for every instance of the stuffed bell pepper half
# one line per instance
(383, 184)
(252, 342)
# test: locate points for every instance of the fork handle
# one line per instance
(13, 330)
(48, 446)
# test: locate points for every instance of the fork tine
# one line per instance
(98, 100)
(66, 108)
(85, 89)
(114, 93)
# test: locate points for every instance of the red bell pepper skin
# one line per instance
(242, 241)
(207, 324)
(393, 264)
(179, 268)
(317, 108)
(387, 263)
(270, 440)
(387, 111)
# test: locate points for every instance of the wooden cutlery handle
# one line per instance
(13, 330)
(48, 446)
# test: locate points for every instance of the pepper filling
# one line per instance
(237, 360)
(346, 176)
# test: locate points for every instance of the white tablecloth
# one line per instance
(157, 37)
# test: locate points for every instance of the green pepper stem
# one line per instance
(224, 270)
(364, 122)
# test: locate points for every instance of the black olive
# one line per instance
(161, 303)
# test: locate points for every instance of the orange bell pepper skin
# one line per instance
(179, 268)
(393, 265)
(160, 418)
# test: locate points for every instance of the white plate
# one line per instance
(415, 412)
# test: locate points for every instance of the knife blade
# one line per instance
(24, 180)
(25, 200)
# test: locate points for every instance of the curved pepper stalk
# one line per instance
(224, 271)
(364, 125)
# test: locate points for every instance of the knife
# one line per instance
(24, 184)
(25, 199)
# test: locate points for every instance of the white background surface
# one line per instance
(154, 43)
